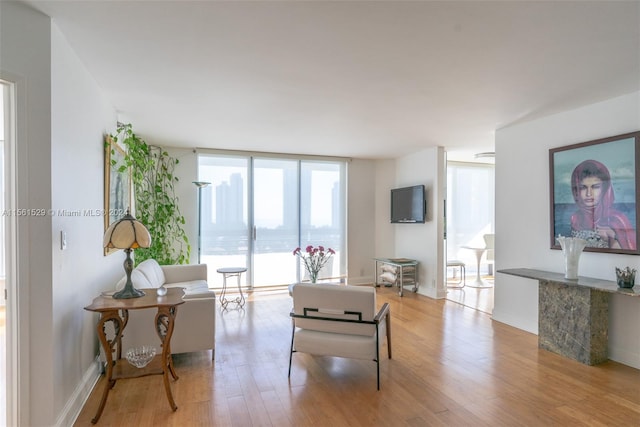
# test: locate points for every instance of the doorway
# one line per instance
(3, 305)
(470, 232)
(8, 312)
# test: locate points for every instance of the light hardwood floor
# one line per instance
(452, 366)
(477, 298)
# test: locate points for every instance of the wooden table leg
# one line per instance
(117, 312)
(108, 347)
(164, 327)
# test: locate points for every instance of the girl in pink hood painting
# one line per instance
(596, 220)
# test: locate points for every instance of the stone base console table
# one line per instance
(573, 315)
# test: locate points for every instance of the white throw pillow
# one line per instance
(153, 272)
(388, 277)
(389, 268)
(138, 279)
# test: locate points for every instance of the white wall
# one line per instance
(23, 30)
(422, 242)
(80, 118)
(522, 217)
(61, 117)
(384, 231)
(361, 238)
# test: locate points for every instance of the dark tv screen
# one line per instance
(408, 205)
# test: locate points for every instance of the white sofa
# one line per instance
(195, 323)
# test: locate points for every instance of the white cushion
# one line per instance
(341, 345)
(151, 269)
(184, 272)
(388, 277)
(389, 268)
(138, 279)
(329, 338)
(192, 287)
(352, 298)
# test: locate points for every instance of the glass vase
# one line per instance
(313, 276)
(571, 248)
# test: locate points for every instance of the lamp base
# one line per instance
(128, 292)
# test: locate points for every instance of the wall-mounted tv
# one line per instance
(408, 205)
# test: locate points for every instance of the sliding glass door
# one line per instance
(322, 213)
(275, 221)
(257, 210)
(224, 230)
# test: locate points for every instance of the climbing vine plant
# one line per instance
(156, 203)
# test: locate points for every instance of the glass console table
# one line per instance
(400, 272)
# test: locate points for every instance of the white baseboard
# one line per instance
(514, 320)
(435, 293)
(80, 395)
(360, 280)
(625, 357)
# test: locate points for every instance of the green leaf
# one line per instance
(154, 197)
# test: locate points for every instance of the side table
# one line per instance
(478, 283)
(406, 272)
(116, 311)
(226, 273)
(573, 315)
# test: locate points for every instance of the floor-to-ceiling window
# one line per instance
(470, 211)
(322, 212)
(275, 221)
(224, 233)
(257, 209)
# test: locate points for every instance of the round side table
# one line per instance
(478, 283)
(226, 273)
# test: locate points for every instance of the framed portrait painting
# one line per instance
(117, 185)
(594, 193)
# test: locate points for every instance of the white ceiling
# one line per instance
(344, 78)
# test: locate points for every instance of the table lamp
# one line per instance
(127, 233)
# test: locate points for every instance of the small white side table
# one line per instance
(478, 283)
(226, 273)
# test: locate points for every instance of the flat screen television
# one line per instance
(408, 205)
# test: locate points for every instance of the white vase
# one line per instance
(571, 248)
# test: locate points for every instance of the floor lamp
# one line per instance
(200, 185)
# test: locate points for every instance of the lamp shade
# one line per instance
(127, 233)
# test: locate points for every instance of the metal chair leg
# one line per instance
(293, 331)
